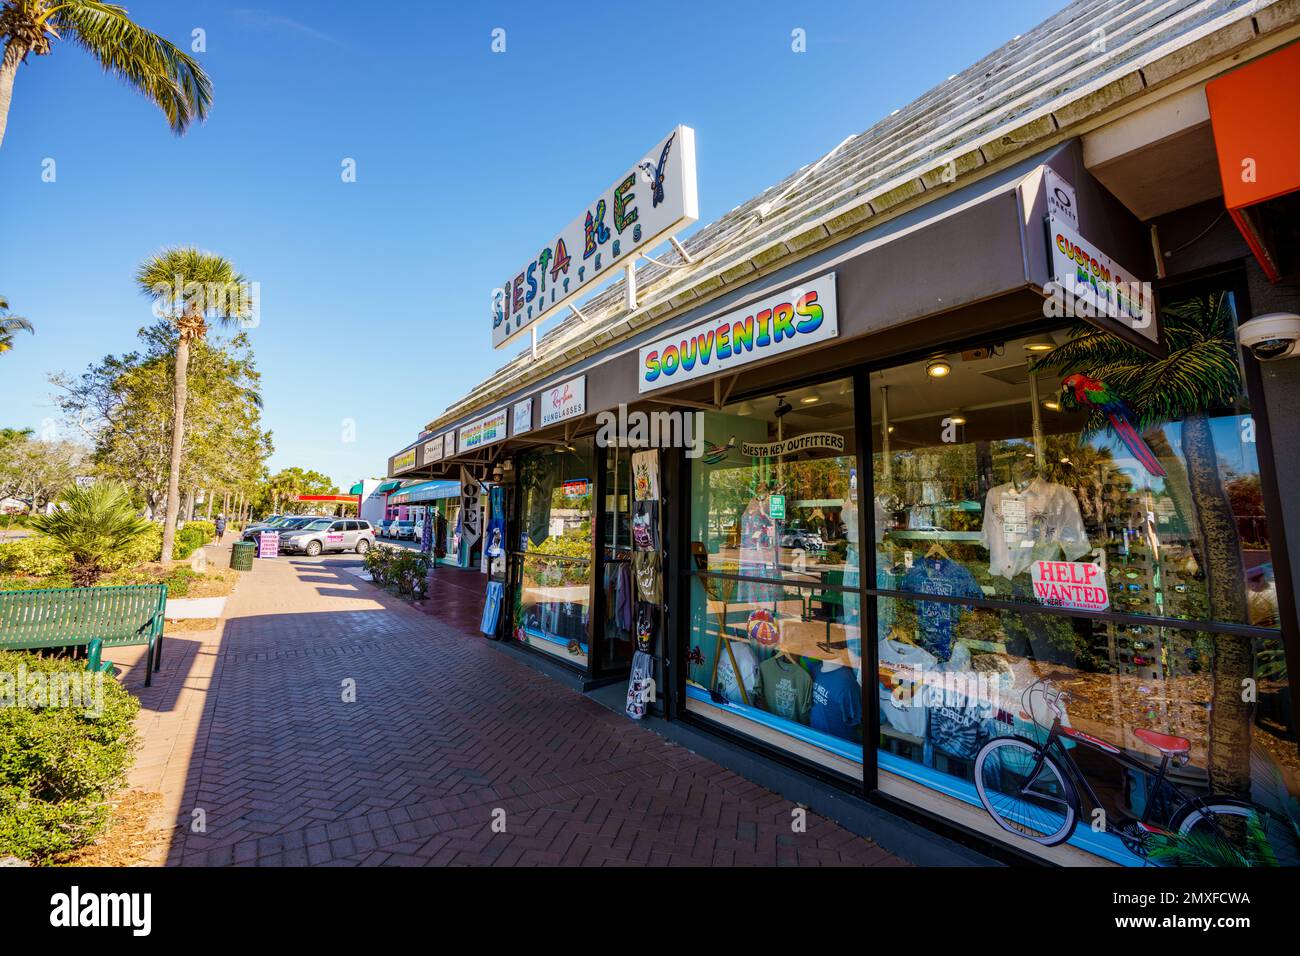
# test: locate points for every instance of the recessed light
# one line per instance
(1052, 406)
(1039, 345)
(810, 400)
(891, 429)
(937, 368)
(957, 419)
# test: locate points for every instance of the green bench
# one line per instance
(93, 617)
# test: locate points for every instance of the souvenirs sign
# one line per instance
(1078, 585)
(775, 449)
(653, 199)
(774, 325)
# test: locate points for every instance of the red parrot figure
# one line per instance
(1088, 392)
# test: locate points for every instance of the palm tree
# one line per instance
(10, 324)
(157, 69)
(190, 286)
(94, 526)
(1199, 377)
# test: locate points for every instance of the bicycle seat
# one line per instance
(1163, 742)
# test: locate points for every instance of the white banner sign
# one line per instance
(789, 446)
(433, 450)
(523, 414)
(1078, 585)
(653, 199)
(448, 444)
(775, 325)
(1096, 281)
(564, 401)
(485, 431)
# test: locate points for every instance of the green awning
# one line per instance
(388, 486)
(356, 489)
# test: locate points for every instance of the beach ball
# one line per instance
(762, 628)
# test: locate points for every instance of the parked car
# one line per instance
(404, 529)
(281, 523)
(385, 528)
(329, 534)
(801, 538)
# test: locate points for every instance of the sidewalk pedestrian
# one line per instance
(221, 527)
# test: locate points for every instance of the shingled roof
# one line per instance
(1089, 59)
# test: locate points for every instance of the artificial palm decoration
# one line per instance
(190, 287)
(157, 69)
(1199, 377)
(10, 324)
(93, 526)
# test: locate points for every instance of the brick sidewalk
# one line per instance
(248, 724)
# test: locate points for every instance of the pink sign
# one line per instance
(1078, 585)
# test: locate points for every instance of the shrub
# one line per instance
(94, 527)
(36, 556)
(59, 765)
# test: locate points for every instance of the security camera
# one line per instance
(1272, 336)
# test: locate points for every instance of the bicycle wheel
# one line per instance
(1041, 806)
(1194, 820)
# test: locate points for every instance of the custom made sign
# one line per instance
(775, 449)
(1098, 284)
(649, 202)
(775, 325)
(486, 431)
(576, 487)
(432, 451)
(523, 417)
(564, 401)
(268, 544)
(403, 462)
(1078, 585)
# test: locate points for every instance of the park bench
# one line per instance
(92, 617)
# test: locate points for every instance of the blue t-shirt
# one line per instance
(836, 702)
(936, 620)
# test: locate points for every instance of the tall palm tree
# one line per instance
(1199, 377)
(190, 287)
(93, 526)
(158, 70)
(10, 324)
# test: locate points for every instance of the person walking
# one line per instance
(221, 527)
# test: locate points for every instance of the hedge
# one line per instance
(59, 765)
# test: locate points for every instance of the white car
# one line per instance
(329, 534)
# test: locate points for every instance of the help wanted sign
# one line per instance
(1079, 585)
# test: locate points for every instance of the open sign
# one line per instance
(1078, 585)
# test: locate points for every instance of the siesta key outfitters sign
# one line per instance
(777, 324)
(649, 202)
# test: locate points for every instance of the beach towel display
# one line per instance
(492, 608)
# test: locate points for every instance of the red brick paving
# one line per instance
(248, 724)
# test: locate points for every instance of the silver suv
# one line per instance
(329, 534)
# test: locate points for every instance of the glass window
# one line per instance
(553, 600)
(1070, 472)
(774, 642)
(619, 589)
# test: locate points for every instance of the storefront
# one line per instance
(432, 507)
(991, 466)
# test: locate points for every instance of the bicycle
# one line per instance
(1032, 789)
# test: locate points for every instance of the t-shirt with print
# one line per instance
(1021, 527)
(748, 666)
(836, 702)
(901, 669)
(936, 620)
(785, 689)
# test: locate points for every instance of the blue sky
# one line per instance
(375, 294)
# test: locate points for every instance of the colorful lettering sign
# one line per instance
(403, 462)
(1078, 585)
(1098, 282)
(564, 401)
(577, 487)
(485, 431)
(652, 200)
(775, 325)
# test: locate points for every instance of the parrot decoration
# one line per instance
(1090, 393)
(654, 175)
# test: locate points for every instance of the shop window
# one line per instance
(774, 648)
(1021, 483)
(553, 597)
(620, 591)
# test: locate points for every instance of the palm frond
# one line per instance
(206, 280)
(14, 323)
(160, 70)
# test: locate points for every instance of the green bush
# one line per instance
(59, 765)
(190, 538)
(34, 555)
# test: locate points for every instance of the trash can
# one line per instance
(241, 555)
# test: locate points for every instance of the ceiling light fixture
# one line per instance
(810, 400)
(937, 368)
(1052, 406)
(1039, 345)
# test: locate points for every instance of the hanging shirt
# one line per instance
(901, 703)
(936, 620)
(645, 475)
(748, 666)
(785, 689)
(1021, 527)
(836, 702)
